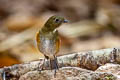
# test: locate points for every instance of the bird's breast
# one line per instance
(47, 45)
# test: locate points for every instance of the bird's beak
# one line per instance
(65, 21)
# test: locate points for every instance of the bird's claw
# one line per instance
(41, 67)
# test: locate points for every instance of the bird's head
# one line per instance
(54, 22)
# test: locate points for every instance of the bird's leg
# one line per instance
(43, 64)
(56, 63)
(51, 64)
(41, 67)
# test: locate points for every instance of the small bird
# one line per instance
(48, 41)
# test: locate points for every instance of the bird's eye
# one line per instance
(56, 20)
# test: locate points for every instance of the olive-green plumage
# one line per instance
(48, 41)
(53, 23)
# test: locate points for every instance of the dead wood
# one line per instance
(89, 60)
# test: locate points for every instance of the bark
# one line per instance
(111, 68)
(90, 60)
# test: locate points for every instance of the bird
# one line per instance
(48, 40)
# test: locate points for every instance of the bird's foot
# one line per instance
(41, 66)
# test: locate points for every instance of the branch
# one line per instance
(89, 60)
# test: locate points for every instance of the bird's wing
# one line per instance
(58, 42)
(38, 37)
(57, 45)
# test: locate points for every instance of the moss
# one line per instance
(109, 77)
